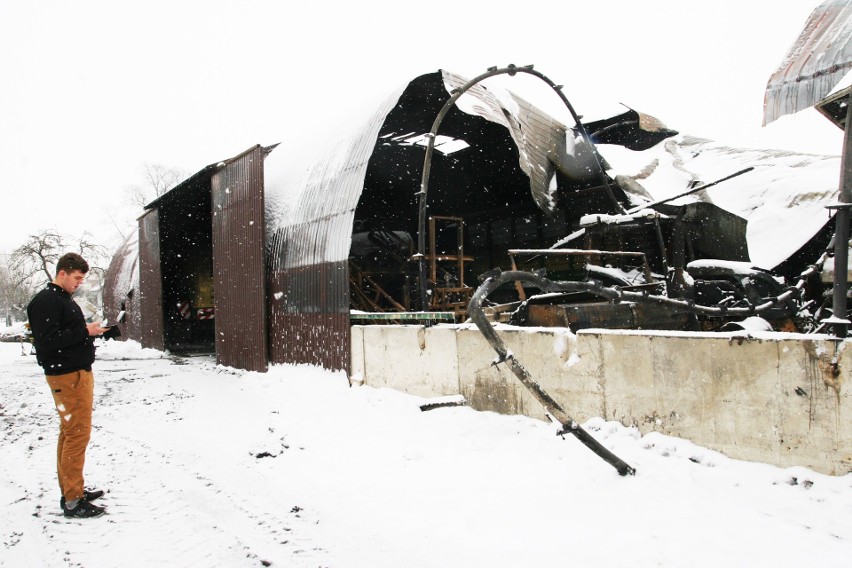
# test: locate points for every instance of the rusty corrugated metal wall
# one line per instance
(309, 251)
(819, 58)
(150, 281)
(239, 280)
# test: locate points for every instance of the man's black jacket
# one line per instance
(62, 342)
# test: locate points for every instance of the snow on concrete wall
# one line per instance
(766, 397)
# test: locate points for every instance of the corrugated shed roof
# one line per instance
(309, 236)
(819, 58)
(199, 181)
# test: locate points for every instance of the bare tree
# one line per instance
(157, 179)
(34, 263)
(34, 260)
(14, 295)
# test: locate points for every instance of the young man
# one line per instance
(65, 349)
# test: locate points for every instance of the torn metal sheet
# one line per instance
(633, 130)
(544, 144)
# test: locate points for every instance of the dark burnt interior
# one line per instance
(186, 256)
(482, 184)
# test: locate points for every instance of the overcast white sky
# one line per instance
(92, 90)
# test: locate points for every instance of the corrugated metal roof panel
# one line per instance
(541, 140)
(309, 251)
(819, 58)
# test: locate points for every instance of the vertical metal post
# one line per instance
(841, 231)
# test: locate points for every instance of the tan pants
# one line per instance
(72, 394)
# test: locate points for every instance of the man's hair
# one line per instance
(71, 261)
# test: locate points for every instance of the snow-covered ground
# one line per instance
(208, 466)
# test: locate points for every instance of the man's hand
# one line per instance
(95, 328)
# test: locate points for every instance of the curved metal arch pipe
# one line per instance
(510, 70)
(504, 355)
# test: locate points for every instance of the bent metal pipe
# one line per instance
(569, 425)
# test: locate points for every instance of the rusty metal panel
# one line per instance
(121, 289)
(606, 315)
(816, 61)
(150, 281)
(239, 282)
(310, 321)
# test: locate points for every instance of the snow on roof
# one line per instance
(783, 198)
(600, 218)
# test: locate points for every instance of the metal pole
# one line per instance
(841, 231)
(553, 408)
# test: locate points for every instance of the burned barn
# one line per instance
(192, 278)
(459, 201)
(263, 268)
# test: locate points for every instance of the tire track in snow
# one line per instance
(190, 513)
(213, 522)
(29, 495)
(161, 511)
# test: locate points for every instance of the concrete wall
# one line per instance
(773, 398)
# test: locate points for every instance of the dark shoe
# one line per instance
(87, 495)
(83, 510)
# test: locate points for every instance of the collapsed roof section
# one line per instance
(546, 146)
(783, 198)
